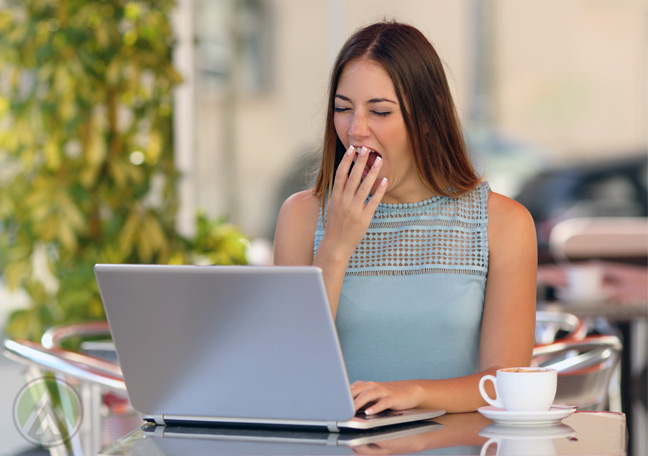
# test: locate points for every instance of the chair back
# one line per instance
(552, 326)
(585, 369)
(107, 413)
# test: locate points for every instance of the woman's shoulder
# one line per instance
(502, 206)
(301, 204)
(508, 218)
(295, 231)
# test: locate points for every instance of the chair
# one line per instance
(107, 413)
(552, 326)
(586, 368)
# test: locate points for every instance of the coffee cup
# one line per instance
(521, 389)
(584, 281)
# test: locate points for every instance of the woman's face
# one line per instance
(367, 113)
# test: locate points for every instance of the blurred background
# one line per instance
(171, 132)
(538, 85)
(551, 95)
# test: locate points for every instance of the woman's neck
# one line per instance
(408, 194)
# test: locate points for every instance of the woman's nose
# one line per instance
(359, 127)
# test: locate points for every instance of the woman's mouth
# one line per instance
(370, 159)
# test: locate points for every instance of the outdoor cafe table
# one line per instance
(582, 433)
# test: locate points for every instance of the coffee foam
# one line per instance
(525, 369)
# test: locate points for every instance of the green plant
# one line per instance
(86, 160)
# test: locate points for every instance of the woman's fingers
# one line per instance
(346, 178)
(376, 397)
(355, 177)
(371, 407)
(371, 396)
(369, 182)
(377, 197)
(342, 172)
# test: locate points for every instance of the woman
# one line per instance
(430, 275)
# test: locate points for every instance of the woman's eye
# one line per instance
(338, 109)
(382, 113)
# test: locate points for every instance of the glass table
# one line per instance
(582, 433)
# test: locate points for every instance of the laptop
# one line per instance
(244, 345)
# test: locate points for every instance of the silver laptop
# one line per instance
(232, 344)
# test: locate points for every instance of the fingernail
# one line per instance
(350, 150)
(376, 163)
(383, 182)
(369, 411)
(363, 151)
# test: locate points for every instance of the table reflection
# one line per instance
(517, 440)
(591, 433)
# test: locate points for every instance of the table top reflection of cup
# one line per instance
(523, 440)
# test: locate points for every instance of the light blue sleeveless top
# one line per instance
(413, 292)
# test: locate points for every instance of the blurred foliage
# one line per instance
(86, 162)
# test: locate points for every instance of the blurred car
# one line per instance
(614, 187)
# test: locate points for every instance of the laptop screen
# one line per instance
(226, 341)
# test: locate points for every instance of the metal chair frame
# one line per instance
(585, 369)
(93, 376)
(549, 324)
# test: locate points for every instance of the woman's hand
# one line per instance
(348, 212)
(348, 216)
(379, 396)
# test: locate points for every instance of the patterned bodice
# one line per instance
(440, 234)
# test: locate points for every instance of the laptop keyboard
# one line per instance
(384, 414)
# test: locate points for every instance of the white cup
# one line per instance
(522, 389)
(584, 281)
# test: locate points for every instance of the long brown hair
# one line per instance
(432, 125)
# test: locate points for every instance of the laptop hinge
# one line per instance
(159, 419)
(158, 431)
(332, 426)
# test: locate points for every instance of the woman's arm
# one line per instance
(508, 322)
(294, 242)
(348, 217)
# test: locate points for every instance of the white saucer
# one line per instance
(506, 431)
(551, 416)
